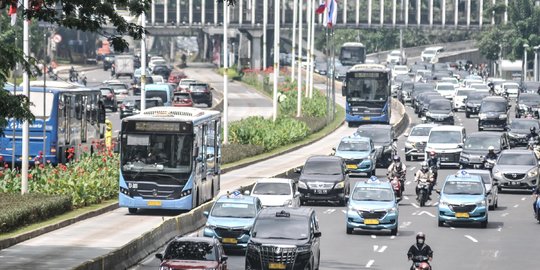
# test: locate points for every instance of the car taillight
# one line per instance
(186, 100)
(110, 96)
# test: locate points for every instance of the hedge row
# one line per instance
(234, 152)
(18, 210)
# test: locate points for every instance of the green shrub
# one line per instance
(231, 72)
(267, 133)
(311, 107)
(18, 210)
(315, 124)
(234, 152)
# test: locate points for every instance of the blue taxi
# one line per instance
(372, 206)
(231, 218)
(359, 154)
(463, 199)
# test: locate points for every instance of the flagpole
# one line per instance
(312, 48)
(308, 47)
(276, 55)
(299, 81)
(293, 53)
(26, 92)
(226, 74)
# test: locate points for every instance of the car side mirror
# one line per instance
(205, 213)
(297, 170)
(395, 140)
(159, 256)
(224, 258)
(488, 192)
(317, 234)
(438, 191)
(347, 171)
(333, 148)
(406, 135)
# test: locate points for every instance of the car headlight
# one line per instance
(532, 173)
(522, 107)
(451, 114)
(210, 226)
(392, 210)
(302, 185)
(428, 114)
(482, 116)
(503, 116)
(339, 185)
(408, 144)
(164, 268)
(481, 203)
(497, 173)
(287, 202)
(305, 248)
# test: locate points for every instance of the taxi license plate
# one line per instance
(352, 166)
(371, 221)
(229, 241)
(277, 266)
(153, 203)
(515, 183)
(321, 191)
(462, 215)
(366, 118)
(444, 159)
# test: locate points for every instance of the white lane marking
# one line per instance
(370, 263)
(452, 228)
(405, 224)
(516, 206)
(344, 211)
(402, 149)
(524, 198)
(406, 197)
(329, 211)
(373, 236)
(393, 237)
(415, 205)
(415, 213)
(408, 182)
(412, 168)
(504, 214)
(427, 213)
(382, 249)
(496, 254)
(471, 238)
(499, 229)
(436, 203)
(375, 247)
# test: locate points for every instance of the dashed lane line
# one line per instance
(516, 206)
(406, 197)
(329, 211)
(382, 249)
(504, 214)
(344, 211)
(412, 168)
(370, 263)
(373, 236)
(471, 238)
(524, 198)
(415, 205)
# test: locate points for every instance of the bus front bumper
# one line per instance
(183, 203)
(367, 119)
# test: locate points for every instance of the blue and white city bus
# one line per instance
(368, 94)
(74, 117)
(169, 158)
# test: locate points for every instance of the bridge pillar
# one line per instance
(255, 37)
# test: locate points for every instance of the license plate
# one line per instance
(321, 191)
(371, 221)
(277, 266)
(515, 183)
(444, 158)
(366, 118)
(352, 166)
(229, 241)
(462, 215)
(153, 203)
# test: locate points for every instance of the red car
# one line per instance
(176, 76)
(182, 99)
(193, 253)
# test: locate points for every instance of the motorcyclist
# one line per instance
(72, 73)
(533, 135)
(83, 78)
(420, 248)
(434, 164)
(491, 153)
(397, 168)
(424, 175)
(491, 88)
(536, 195)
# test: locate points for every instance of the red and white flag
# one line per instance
(13, 12)
(331, 17)
(322, 6)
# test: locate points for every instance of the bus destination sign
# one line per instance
(143, 126)
(374, 75)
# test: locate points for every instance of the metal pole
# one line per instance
(265, 32)
(299, 81)
(330, 71)
(312, 48)
(13, 121)
(333, 114)
(225, 76)
(525, 47)
(143, 63)
(276, 56)
(293, 53)
(535, 65)
(308, 47)
(26, 92)
(44, 97)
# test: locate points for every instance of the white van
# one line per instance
(447, 143)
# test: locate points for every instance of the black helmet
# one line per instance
(421, 236)
(533, 129)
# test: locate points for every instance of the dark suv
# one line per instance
(201, 93)
(519, 129)
(383, 138)
(493, 113)
(527, 103)
(440, 111)
(472, 102)
(284, 238)
(109, 98)
(476, 147)
(323, 178)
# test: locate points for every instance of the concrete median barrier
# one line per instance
(139, 248)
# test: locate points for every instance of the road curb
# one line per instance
(8, 242)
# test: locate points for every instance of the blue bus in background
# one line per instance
(73, 117)
(367, 94)
(169, 158)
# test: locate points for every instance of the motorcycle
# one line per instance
(533, 146)
(422, 193)
(74, 76)
(52, 74)
(396, 185)
(84, 80)
(421, 263)
(489, 163)
(400, 177)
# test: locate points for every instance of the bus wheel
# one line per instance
(132, 210)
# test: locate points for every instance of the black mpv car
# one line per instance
(493, 113)
(284, 238)
(472, 102)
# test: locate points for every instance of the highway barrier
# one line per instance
(139, 248)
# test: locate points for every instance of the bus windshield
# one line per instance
(352, 55)
(157, 154)
(367, 89)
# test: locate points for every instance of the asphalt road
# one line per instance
(508, 241)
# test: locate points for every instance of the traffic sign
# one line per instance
(57, 38)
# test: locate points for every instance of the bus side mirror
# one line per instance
(343, 90)
(101, 115)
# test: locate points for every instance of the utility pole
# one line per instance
(299, 81)
(276, 56)
(225, 74)
(312, 48)
(293, 53)
(143, 63)
(265, 32)
(26, 92)
(308, 47)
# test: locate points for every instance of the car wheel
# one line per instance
(132, 210)
(480, 128)
(491, 207)
(209, 104)
(408, 158)
(496, 204)
(350, 230)
(483, 224)
(441, 223)
(394, 231)
(468, 115)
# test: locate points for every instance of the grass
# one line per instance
(58, 219)
(340, 116)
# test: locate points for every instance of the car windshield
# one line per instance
(328, 167)
(440, 136)
(353, 146)
(486, 177)
(464, 92)
(157, 94)
(489, 106)
(186, 82)
(440, 106)
(482, 143)
(234, 210)
(463, 188)
(191, 251)
(198, 87)
(516, 159)
(511, 86)
(479, 86)
(529, 99)
(117, 87)
(524, 124)
(381, 136)
(445, 87)
(105, 92)
(420, 131)
(272, 228)
(373, 194)
(401, 68)
(476, 97)
(272, 189)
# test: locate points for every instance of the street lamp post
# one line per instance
(525, 47)
(536, 63)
